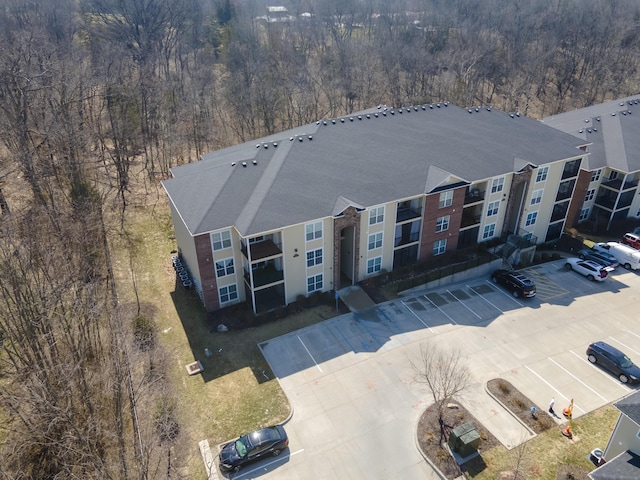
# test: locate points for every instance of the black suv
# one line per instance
(612, 359)
(517, 283)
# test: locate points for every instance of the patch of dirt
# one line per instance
(429, 440)
(572, 472)
(520, 406)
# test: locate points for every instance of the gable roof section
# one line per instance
(625, 466)
(610, 131)
(369, 158)
(630, 406)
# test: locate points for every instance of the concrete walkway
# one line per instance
(355, 298)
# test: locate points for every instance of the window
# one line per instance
(446, 199)
(374, 265)
(439, 247)
(314, 257)
(257, 239)
(584, 214)
(375, 241)
(536, 197)
(313, 231)
(531, 219)
(224, 267)
(376, 215)
(590, 194)
(595, 175)
(442, 223)
(497, 185)
(314, 283)
(228, 293)
(541, 176)
(493, 208)
(489, 231)
(221, 240)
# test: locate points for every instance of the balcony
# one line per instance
(264, 276)
(404, 214)
(261, 250)
(571, 169)
(471, 216)
(473, 196)
(617, 184)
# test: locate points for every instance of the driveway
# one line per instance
(354, 393)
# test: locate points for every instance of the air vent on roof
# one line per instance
(244, 164)
(359, 117)
(424, 107)
(368, 116)
(375, 114)
(581, 130)
(511, 115)
(588, 130)
(342, 120)
(446, 104)
(624, 112)
(477, 109)
(598, 119)
(635, 102)
(438, 105)
(470, 111)
(318, 122)
(595, 129)
(399, 110)
(233, 164)
(415, 109)
(488, 109)
(391, 112)
(333, 121)
(275, 144)
(613, 114)
(622, 104)
(629, 112)
(431, 107)
(351, 119)
(258, 145)
(384, 114)
(255, 162)
(379, 107)
(291, 139)
(630, 102)
(266, 145)
(385, 109)
(300, 138)
(586, 120)
(324, 123)
(310, 137)
(518, 114)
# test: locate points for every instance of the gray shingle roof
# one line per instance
(625, 466)
(357, 160)
(630, 406)
(612, 130)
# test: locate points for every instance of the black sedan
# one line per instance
(613, 360)
(517, 283)
(253, 446)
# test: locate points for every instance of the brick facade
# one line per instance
(208, 280)
(350, 218)
(432, 212)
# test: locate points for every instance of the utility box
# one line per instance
(464, 440)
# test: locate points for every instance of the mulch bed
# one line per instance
(429, 440)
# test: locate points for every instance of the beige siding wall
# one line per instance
(500, 197)
(186, 247)
(544, 208)
(387, 228)
(623, 438)
(295, 248)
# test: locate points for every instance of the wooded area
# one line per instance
(90, 89)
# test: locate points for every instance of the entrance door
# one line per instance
(347, 260)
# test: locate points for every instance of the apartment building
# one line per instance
(326, 205)
(608, 187)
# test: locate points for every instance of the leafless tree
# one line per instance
(445, 373)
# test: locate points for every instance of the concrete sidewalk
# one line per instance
(355, 298)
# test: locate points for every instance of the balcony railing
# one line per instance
(404, 214)
(616, 184)
(473, 196)
(264, 276)
(404, 239)
(261, 250)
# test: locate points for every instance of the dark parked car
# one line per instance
(613, 360)
(603, 258)
(517, 283)
(253, 446)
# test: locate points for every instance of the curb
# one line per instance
(526, 427)
(422, 454)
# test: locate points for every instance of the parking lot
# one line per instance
(353, 389)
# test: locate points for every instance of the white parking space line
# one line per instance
(305, 347)
(498, 289)
(441, 311)
(626, 347)
(605, 374)
(572, 375)
(249, 473)
(554, 388)
(482, 297)
(463, 304)
(634, 334)
(415, 314)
